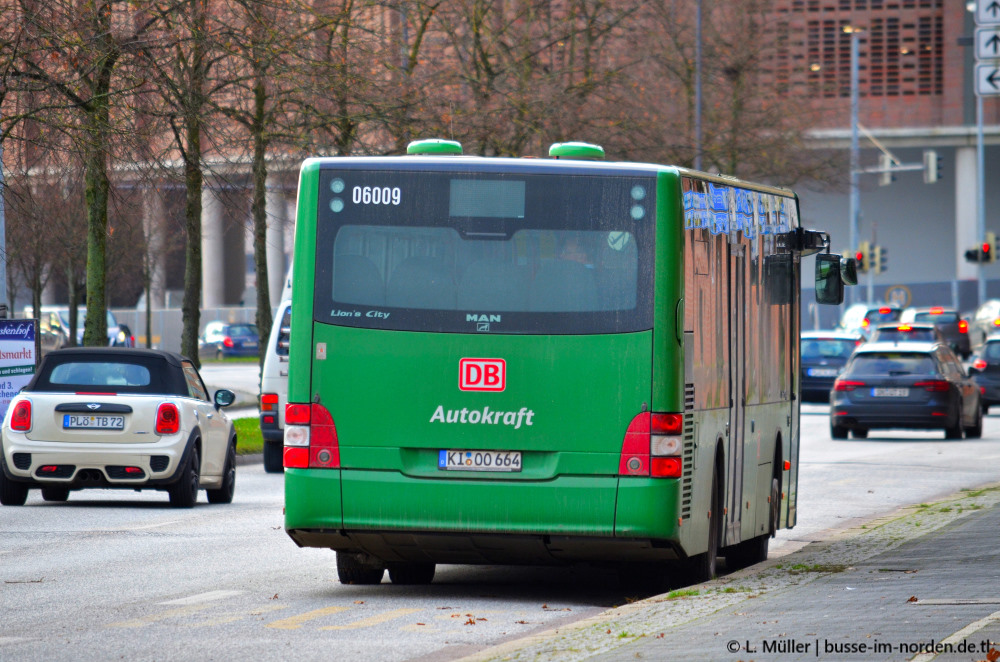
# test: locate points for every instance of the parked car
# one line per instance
(53, 328)
(948, 321)
(824, 355)
(907, 332)
(274, 389)
(222, 340)
(985, 321)
(120, 418)
(910, 385)
(985, 372)
(860, 317)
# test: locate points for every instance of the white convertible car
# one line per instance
(117, 418)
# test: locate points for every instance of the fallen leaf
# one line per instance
(471, 621)
(274, 597)
(521, 622)
(420, 623)
(913, 598)
(659, 636)
(993, 655)
(359, 602)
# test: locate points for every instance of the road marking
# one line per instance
(162, 616)
(229, 618)
(210, 596)
(295, 622)
(964, 633)
(372, 620)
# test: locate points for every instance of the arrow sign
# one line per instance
(988, 80)
(987, 12)
(988, 43)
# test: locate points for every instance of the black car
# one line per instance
(986, 372)
(824, 355)
(948, 321)
(905, 385)
(907, 332)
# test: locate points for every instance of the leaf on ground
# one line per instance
(913, 598)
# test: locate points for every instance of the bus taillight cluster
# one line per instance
(310, 438)
(653, 446)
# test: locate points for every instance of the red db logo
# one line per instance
(482, 374)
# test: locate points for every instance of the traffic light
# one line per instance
(990, 248)
(932, 166)
(880, 259)
(862, 257)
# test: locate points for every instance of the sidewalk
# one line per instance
(921, 584)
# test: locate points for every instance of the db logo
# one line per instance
(482, 374)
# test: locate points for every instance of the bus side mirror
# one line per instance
(829, 284)
(849, 270)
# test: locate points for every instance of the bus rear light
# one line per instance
(652, 446)
(20, 418)
(667, 424)
(666, 467)
(846, 385)
(310, 437)
(168, 419)
(295, 458)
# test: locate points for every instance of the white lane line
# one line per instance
(210, 596)
(960, 635)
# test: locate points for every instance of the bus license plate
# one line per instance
(890, 392)
(88, 422)
(464, 460)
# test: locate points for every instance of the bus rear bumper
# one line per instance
(486, 549)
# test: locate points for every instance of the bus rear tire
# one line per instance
(359, 569)
(411, 573)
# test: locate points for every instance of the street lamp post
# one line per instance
(855, 198)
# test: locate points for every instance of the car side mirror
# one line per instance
(224, 397)
(829, 284)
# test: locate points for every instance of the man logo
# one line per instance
(482, 374)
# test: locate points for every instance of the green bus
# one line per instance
(542, 361)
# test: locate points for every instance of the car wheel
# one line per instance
(273, 457)
(55, 493)
(411, 573)
(184, 492)
(838, 432)
(11, 493)
(860, 433)
(359, 569)
(224, 494)
(986, 410)
(954, 432)
(976, 431)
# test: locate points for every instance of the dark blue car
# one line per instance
(222, 340)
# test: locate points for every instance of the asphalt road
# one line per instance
(116, 574)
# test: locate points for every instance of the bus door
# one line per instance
(737, 391)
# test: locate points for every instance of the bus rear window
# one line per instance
(546, 254)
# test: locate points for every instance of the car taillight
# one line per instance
(653, 446)
(934, 385)
(996, 322)
(847, 385)
(227, 341)
(269, 402)
(20, 418)
(865, 323)
(963, 326)
(884, 311)
(935, 310)
(979, 364)
(904, 327)
(168, 419)
(310, 438)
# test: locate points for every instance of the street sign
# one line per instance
(987, 12)
(988, 43)
(988, 79)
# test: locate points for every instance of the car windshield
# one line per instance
(883, 315)
(991, 351)
(825, 348)
(892, 363)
